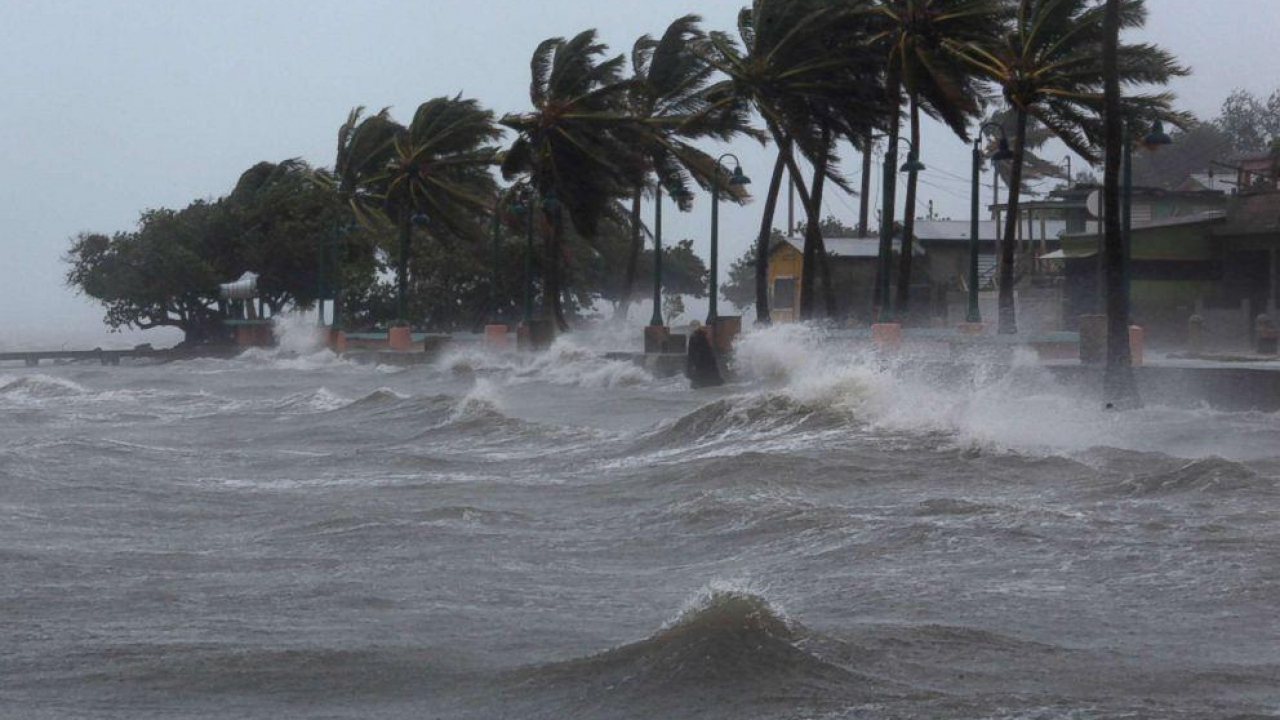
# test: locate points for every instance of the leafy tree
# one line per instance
(161, 275)
(1047, 66)
(578, 147)
(1251, 124)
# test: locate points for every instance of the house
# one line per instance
(853, 271)
(1221, 264)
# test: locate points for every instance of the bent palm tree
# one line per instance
(578, 147)
(365, 146)
(666, 93)
(439, 173)
(1048, 66)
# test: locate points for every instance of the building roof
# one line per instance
(1253, 214)
(939, 231)
(853, 247)
(1208, 216)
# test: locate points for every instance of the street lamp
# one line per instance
(912, 164)
(680, 195)
(416, 219)
(1153, 140)
(1003, 152)
(522, 202)
(737, 179)
(493, 275)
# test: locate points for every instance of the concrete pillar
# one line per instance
(886, 336)
(339, 342)
(495, 336)
(1137, 338)
(1265, 335)
(400, 338)
(655, 338)
(968, 328)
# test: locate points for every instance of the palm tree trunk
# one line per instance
(633, 258)
(909, 222)
(762, 241)
(1008, 313)
(402, 267)
(864, 207)
(815, 253)
(1118, 386)
(893, 92)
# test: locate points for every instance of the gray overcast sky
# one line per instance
(113, 106)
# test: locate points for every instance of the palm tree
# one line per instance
(439, 176)
(578, 147)
(666, 93)
(801, 65)
(365, 146)
(916, 37)
(1048, 67)
(1120, 387)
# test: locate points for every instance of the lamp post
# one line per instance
(679, 195)
(737, 179)
(323, 248)
(1002, 153)
(493, 275)
(1070, 177)
(1153, 140)
(522, 202)
(912, 164)
(338, 232)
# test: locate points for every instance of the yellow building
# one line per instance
(853, 271)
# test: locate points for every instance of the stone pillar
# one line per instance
(339, 342)
(1137, 338)
(886, 336)
(400, 338)
(968, 328)
(655, 338)
(495, 336)
(1093, 339)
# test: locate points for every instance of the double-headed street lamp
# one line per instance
(912, 164)
(1002, 153)
(737, 179)
(679, 195)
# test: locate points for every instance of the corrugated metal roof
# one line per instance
(958, 230)
(854, 247)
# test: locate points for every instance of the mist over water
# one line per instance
(288, 534)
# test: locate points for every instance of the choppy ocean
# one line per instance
(290, 535)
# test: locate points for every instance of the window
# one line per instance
(784, 293)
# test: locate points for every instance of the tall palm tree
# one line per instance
(365, 146)
(578, 146)
(439, 175)
(667, 94)
(800, 64)
(1120, 387)
(1048, 66)
(916, 37)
